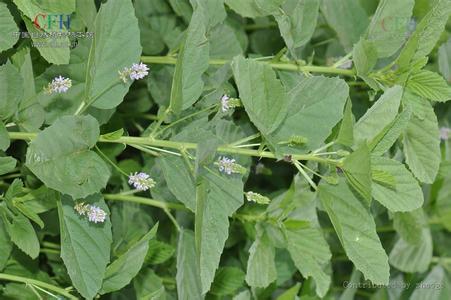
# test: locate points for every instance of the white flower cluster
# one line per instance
(135, 72)
(95, 214)
(141, 181)
(257, 198)
(58, 85)
(229, 166)
(228, 103)
(445, 133)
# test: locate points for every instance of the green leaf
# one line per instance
(261, 267)
(115, 135)
(179, 179)
(6, 245)
(297, 21)
(60, 157)
(315, 98)
(389, 25)
(422, 146)
(346, 133)
(254, 8)
(408, 224)
(116, 39)
(262, 94)
(218, 197)
(122, 270)
(436, 285)
(444, 60)
(388, 136)
(55, 50)
(227, 281)
(357, 169)
(429, 85)
(188, 272)
(412, 258)
(10, 90)
(356, 230)
(7, 164)
(159, 252)
(4, 137)
(381, 114)
(364, 55)
(22, 234)
(347, 18)
(192, 62)
(85, 246)
(291, 293)
(148, 285)
(406, 195)
(311, 255)
(426, 34)
(7, 28)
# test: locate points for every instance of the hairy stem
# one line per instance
(38, 283)
(288, 66)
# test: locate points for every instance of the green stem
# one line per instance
(86, 104)
(110, 161)
(35, 282)
(288, 66)
(146, 201)
(187, 145)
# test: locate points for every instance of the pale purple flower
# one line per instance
(59, 85)
(141, 181)
(257, 198)
(225, 103)
(135, 72)
(226, 165)
(96, 214)
(444, 133)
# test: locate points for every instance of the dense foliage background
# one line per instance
(270, 149)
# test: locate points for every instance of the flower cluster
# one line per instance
(141, 181)
(257, 198)
(135, 72)
(445, 133)
(228, 103)
(95, 214)
(58, 85)
(229, 166)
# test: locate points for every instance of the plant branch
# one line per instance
(38, 283)
(288, 66)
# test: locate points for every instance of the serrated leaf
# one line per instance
(389, 25)
(412, 258)
(429, 85)
(148, 285)
(218, 197)
(60, 157)
(422, 146)
(315, 98)
(383, 178)
(122, 270)
(388, 136)
(159, 252)
(7, 28)
(261, 268)
(5, 245)
(382, 113)
(406, 195)
(227, 281)
(408, 224)
(192, 62)
(10, 90)
(311, 255)
(297, 21)
(7, 164)
(347, 18)
(262, 94)
(357, 169)
(346, 133)
(444, 60)
(436, 285)
(22, 234)
(364, 56)
(179, 180)
(426, 34)
(188, 272)
(4, 137)
(116, 39)
(254, 8)
(356, 230)
(85, 246)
